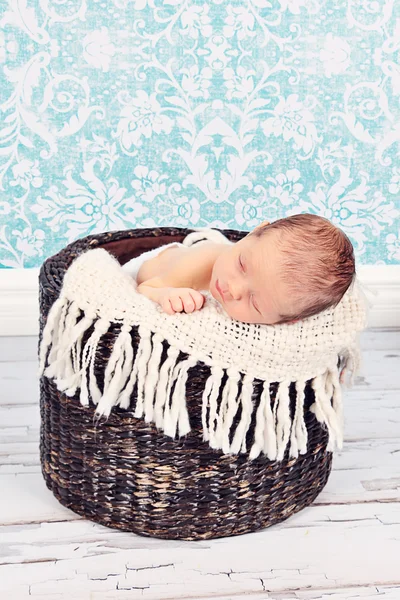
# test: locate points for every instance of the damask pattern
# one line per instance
(138, 113)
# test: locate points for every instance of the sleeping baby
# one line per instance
(279, 273)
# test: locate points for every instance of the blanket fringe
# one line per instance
(325, 388)
(226, 412)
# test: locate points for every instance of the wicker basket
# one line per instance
(125, 474)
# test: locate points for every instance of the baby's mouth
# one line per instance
(220, 293)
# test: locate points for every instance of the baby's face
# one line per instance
(248, 273)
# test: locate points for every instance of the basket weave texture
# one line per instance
(125, 474)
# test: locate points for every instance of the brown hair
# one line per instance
(319, 259)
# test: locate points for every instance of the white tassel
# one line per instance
(323, 410)
(76, 356)
(141, 362)
(153, 371)
(299, 435)
(71, 320)
(334, 424)
(58, 334)
(101, 326)
(183, 421)
(67, 360)
(270, 441)
(124, 399)
(351, 366)
(355, 356)
(205, 404)
(210, 400)
(59, 367)
(71, 384)
(84, 392)
(239, 438)
(337, 403)
(228, 409)
(116, 374)
(60, 360)
(261, 423)
(176, 413)
(127, 366)
(60, 353)
(168, 424)
(283, 418)
(164, 385)
(206, 394)
(48, 330)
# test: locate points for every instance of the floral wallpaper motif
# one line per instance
(118, 114)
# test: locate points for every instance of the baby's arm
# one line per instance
(178, 287)
(172, 299)
(152, 288)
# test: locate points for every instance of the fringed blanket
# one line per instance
(97, 292)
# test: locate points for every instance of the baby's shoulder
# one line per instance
(198, 251)
(183, 257)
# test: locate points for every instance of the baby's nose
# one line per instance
(236, 291)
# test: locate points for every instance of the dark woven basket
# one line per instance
(126, 474)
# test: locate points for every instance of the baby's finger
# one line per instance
(190, 304)
(166, 306)
(198, 300)
(176, 303)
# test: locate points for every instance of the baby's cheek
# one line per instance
(241, 312)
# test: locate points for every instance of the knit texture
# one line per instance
(96, 291)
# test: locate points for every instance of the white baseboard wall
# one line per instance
(19, 304)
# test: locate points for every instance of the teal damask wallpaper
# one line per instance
(117, 114)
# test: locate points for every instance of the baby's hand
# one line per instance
(174, 300)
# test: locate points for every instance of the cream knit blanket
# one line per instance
(97, 292)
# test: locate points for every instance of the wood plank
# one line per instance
(320, 548)
(18, 348)
(375, 592)
(370, 414)
(380, 339)
(19, 383)
(20, 415)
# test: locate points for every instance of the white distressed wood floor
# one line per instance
(346, 545)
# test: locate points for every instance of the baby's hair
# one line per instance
(319, 258)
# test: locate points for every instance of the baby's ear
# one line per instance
(263, 224)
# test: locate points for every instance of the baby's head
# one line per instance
(284, 271)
